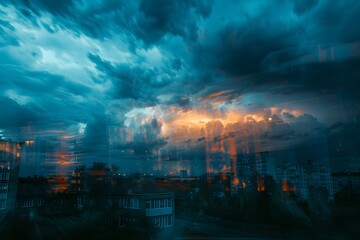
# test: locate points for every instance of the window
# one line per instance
(151, 203)
(157, 222)
(159, 203)
(27, 203)
(129, 203)
(168, 202)
(134, 203)
(162, 221)
(167, 221)
(40, 202)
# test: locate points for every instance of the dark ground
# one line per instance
(92, 226)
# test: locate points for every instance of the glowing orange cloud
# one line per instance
(215, 94)
(68, 137)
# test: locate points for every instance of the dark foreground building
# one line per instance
(141, 211)
(10, 155)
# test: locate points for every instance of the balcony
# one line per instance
(151, 212)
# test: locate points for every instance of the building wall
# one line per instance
(303, 180)
(258, 164)
(10, 156)
(142, 210)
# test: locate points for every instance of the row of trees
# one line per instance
(270, 205)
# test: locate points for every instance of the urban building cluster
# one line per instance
(127, 204)
(10, 157)
(144, 201)
(309, 177)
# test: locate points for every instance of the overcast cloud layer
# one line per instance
(68, 62)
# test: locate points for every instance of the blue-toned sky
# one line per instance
(169, 64)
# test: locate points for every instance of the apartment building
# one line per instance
(10, 156)
(141, 210)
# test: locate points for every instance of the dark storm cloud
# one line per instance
(129, 82)
(303, 6)
(239, 49)
(74, 15)
(14, 115)
(45, 103)
(47, 95)
(322, 78)
(35, 82)
(160, 17)
(288, 131)
(169, 53)
(148, 21)
(263, 53)
(182, 102)
(231, 48)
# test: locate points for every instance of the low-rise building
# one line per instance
(141, 210)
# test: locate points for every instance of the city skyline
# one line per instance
(198, 118)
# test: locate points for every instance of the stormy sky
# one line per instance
(161, 70)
